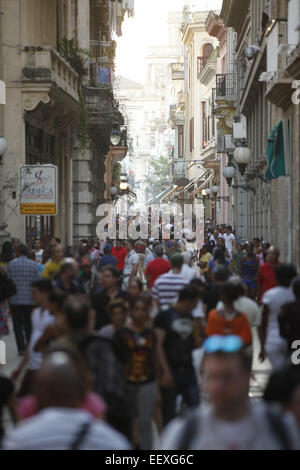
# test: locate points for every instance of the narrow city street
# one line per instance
(149, 226)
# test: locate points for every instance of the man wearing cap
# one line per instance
(86, 280)
(107, 259)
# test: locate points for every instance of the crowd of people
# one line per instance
(107, 342)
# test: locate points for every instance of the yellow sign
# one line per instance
(38, 209)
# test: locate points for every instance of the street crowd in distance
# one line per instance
(148, 344)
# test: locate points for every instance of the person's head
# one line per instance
(135, 287)
(265, 246)
(239, 247)
(41, 291)
(219, 256)
(296, 287)
(78, 314)
(188, 298)
(31, 255)
(107, 250)
(159, 251)
(138, 311)
(229, 293)
(228, 229)
(226, 379)
(220, 275)
(68, 271)
(284, 274)
(129, 245)
(118, 312)
(57, 253)
(256, 242)
(273, 255)
(15, 242)
(7, 253)
(176, 261)
(57, 298)
(119, 244)
(83, 250)
(58, 383)
(199, 285)
(37, 244)
(250, 249)
(187, 259)
(284, 388)
(85, 265)
(22, 250)
(109, 277)
(173, 245)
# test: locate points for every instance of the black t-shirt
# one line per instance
(289, 323)
(6, 390)
(179, 340)
(137, 350)
(212, 297)
(100, 301)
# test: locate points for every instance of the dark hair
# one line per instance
(117, 303)
(43, 285)
(22, 249)
(197, 283)
(65, 267)
(281, 385)
(159, 251)
(231, 291)
(107, 250)
(76, 310)
(296, 287)
(219, 255)
(244, 357)
(285, 273)
(176, 260)
(58, 297)
(138, 282)
(132, 242)
(7, 252)
(136, 300)
(221, 274)
(111, 269)
(188, 293)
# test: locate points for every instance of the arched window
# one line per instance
(207, 51)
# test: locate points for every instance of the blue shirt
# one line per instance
(23, 272)
(107, 260)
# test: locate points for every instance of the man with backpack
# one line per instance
(231, 421)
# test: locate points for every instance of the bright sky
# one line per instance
(149, 28)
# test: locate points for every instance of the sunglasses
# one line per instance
(227, 344)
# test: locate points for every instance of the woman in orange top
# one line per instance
(229, 321)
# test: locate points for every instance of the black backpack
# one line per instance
(274, 418)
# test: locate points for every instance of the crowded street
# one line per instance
(149, 228)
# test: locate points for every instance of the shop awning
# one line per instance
(170, 193)
(278, 151)
(203, 185)
(157, 199)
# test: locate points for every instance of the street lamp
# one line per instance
(243, 156)
(115, 135)
(124, 186)
(207, 191)
(113, 191)
(3, 147)
(215, 190)
(229, 173)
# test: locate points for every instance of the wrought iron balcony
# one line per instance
(177, 71)
(226, 86)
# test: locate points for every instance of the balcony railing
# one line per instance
(44, 64)
(201, 63)
(226, 86)
(177, 71)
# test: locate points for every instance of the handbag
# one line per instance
(7, 287)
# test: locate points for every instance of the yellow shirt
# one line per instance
(51, 269)
(205, 259)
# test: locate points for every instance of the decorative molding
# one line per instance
(31, 100)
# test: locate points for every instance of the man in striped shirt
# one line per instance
(167, 287)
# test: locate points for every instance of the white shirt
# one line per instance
(131, 259)
(56, 429)
(248, 307)
(229, 239)
(275, 298)
(39, 256)
(40, 320)
(188, 273)
(198, 312)
(252, 432)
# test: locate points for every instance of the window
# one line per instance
(180, 141)
(191, 134)
(207, 51)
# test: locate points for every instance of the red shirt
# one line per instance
(156, 268)
(120, 254)
(266, 278)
